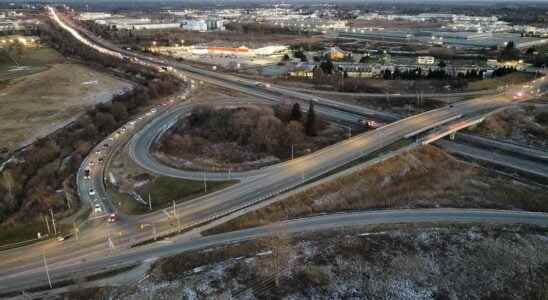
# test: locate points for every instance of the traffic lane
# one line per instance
(310, 224)
(89, 242)
(527, 166)
(527, 151)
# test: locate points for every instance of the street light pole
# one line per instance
(53, 221)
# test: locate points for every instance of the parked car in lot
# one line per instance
(98, 208)
(91, 192)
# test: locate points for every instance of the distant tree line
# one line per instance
(261, 28)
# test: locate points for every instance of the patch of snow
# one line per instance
(269, 252)
(372, 233)
(407, 289)
(473, 235)
(189, 294)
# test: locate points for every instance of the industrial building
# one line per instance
(92, 16)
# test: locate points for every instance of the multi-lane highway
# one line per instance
(108, 245)
(72, 269)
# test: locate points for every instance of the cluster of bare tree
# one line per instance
(251, 128)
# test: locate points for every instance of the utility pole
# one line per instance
(176, 217)
(149, 202)
(53, 221)
(229, 169)
(292, 152)
(205, 183)
(46, 268)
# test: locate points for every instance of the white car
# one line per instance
(91, 192)
(98, 208)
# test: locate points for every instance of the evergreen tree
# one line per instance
(296, 114)
(327, 66)
(300, 55)
(310, 126)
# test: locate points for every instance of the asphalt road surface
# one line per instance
(95, 250)
(36, 276)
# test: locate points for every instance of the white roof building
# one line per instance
(155, 26)
(87, 16)
(270, 50)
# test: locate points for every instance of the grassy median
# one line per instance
(163, 191)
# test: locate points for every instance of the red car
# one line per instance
(112, 218)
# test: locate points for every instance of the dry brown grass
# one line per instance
(519, 125)
(37, 104)
(493, 83)
(422, 178)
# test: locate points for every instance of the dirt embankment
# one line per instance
(526, 125)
